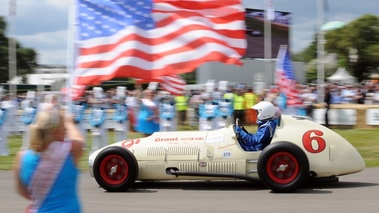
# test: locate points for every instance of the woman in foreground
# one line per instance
(47, 172)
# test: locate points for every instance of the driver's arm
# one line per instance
(254, 141)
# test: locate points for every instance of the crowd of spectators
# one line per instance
(365, 93)
(144, 106)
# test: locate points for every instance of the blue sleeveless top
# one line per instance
(63, 196)
(143, 125)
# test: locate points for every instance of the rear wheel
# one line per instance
(115, 169)
(283, 167)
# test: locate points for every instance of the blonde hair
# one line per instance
(41, 130)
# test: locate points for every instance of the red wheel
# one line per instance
(115, 169)
(283, 167)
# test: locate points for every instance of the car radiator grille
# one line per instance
(223, 167)
(156, 151)
(189, 167)
(194, 150)
(179, 150)
(155, 168)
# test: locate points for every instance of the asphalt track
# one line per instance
(353, 193)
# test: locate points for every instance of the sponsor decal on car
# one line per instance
(129, 143)
(226, 146)
(215, 138)
(178, 139)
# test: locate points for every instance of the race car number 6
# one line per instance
(314, 136)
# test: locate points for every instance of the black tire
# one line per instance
(125, 169)
(292, 162)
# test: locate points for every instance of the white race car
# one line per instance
(299, 151)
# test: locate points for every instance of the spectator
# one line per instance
(131, 101)
(167, 121)
(181, 105)
(148, 115)
(195, 102)
(229, 94)
(7, 117)
(207, 112)
(349, 95)
(336, 97)
(282, 101)
(360, 96)
(29, 111)
(328, 100)
(120, 116)
(99, 103)
(216, 95)
(376, 96)
(309, 99)
(239, 106)
(250, 101)
(369, 93)
(78, 109)
(47, 173)
(50, 100)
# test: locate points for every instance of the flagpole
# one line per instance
(12, 52)
(71, 52)
(267, 42)
(320, 53)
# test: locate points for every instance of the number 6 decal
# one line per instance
(314, 135)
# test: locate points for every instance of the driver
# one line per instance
(265, 132)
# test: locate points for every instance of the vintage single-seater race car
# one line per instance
(300, 150)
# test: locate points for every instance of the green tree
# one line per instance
(361, 35)
(308, 54)
(25, 57)
(190, 77)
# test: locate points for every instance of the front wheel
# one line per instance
(283, 167)
(115, 169)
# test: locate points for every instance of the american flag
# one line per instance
(75, 92)
(151, 38)
(285, 78)
(174, 84)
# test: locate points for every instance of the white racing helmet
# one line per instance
(266, 110)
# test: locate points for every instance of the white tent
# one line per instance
(342, 76)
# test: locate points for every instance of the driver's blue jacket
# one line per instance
(259, 140)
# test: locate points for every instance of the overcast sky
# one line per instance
(43, 24)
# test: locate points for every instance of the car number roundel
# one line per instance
(314, 136)
(129, 143)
